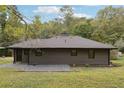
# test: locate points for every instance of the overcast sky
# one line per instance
(50, 12)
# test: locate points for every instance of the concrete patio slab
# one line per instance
(25, 67)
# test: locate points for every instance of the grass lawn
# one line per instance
(6, 60)
(85, 77)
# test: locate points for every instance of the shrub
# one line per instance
(87, 65)
(5, 52)
(120, 45)
(121, 49)
(114, 54)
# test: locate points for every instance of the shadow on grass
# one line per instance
(112, 64)
(116, 65)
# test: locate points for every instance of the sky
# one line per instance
(50, 12)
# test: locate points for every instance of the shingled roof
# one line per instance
(61, 42)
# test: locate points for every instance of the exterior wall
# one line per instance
(24, 57)
(63, 56)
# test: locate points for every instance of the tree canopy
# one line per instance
(106, 27)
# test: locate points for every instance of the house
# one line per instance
(62, 50)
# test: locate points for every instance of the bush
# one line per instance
(120, 45)
(87, 65)
(114, 54)
(5, 52)
(121, 49)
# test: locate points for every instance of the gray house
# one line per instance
(62, 50)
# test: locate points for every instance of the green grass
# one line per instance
(85, 77)
(6, 60)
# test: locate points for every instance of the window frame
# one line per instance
(91, 55)
(38, 53)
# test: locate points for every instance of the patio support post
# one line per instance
(28, 56)
(109, 57)
(14, 55)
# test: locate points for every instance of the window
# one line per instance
(38, 52)
(26, 51)
(91, 53)
(74, 52)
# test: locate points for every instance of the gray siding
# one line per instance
(63, 56)
(24, 57)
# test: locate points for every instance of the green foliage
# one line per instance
(35, 28)
(3, 17)
(84, 30)
(107, 27)
(53, 28)
(3, 8)
(114, 54)
(12, 34)
(12, 30)
(67, 15)
(120, 44)
(5, 53)
(121, 49)
(6, 60)
(87, 65)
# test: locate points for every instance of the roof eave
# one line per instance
(64, 47)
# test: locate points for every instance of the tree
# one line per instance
(67, 15)
(109, 25)
(13, 30)
(120, 44)
(3, 17)
(36, 27)
(83, 30)
(52, 28)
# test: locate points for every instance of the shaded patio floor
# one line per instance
(25, 67)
